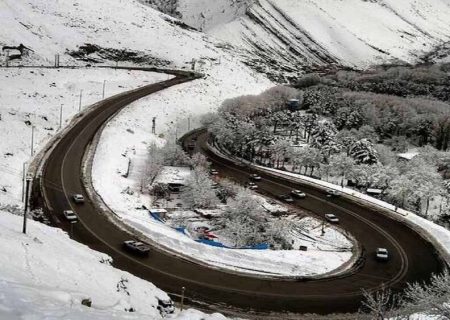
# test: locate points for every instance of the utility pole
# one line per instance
(60, 116)
(24, 173)
(81, 95)
(183, 289)
(27, 191)
(154, 125)
(103, 94)
(32, 140)
(189, 123)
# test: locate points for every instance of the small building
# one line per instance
(174, 177)
(293, 105)
(374, 191)
(407, 156)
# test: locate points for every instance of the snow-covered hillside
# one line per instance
(350, 32)
(45, 275)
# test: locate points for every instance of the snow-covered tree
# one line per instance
(174, 155)
(364, 152)
(308, 158)
(279, 151)
(198, 160)
(418, 182)
(243, 220)
(430, 299)
(341, 165)
(199, 192)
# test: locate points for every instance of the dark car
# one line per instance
(165, 307)
(191, 146)
(255, 177)
(136, 247)
(332, 193)
(286, 198)
(298, 194)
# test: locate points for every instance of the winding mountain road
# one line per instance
(413, 258)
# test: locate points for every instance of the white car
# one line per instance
(78, 198)
(70, 215)
(382, 254)
(298, 194)
(251, 186)
(255, 177)
(331, 218)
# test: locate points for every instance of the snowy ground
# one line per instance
(50, 275)
(34, 97)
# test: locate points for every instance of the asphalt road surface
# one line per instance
(413, 259)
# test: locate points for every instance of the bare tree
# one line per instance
(381, 305)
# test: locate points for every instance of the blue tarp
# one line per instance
(156, 217)
(212, 243)
(181, 230)
(261, 246)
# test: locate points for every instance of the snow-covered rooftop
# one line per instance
(173, 175)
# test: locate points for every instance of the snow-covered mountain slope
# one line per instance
(117, 30)
(292, 33)
(45, 275)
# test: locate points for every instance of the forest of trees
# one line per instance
(350, 127)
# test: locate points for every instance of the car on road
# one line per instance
(298, 194)
(286, 198)
(382, 254)
(331, 218)
(332, 193)
(78, 198)
(251, 186)
(136, 247)
(255, 177)
(70, 215)
(213, 172)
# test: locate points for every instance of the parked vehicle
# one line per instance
(136, 247)
(165, 307)
(213, 172)
(251, 186)
(331, 218)
(332, 193)
(255, 177)
(70, 215)
(78, 198)
(298, 194)
(191, 146)
(382, 254)
(286, 198)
